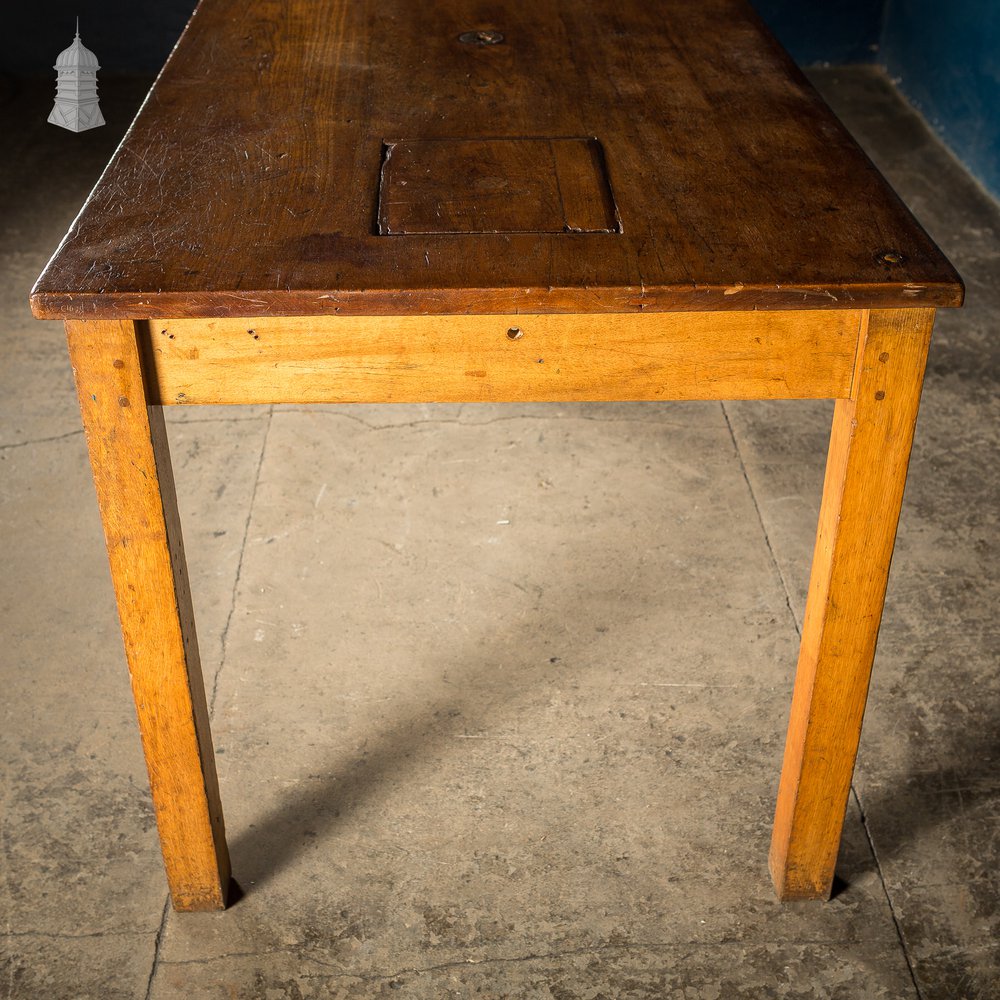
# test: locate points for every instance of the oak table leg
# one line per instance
(862, 493)
(135, 490)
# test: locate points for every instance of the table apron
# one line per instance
(788, 354)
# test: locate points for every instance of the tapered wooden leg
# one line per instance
(862, 493)
(135, 490)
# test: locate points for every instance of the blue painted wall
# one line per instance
(944, 55)
(825, 31)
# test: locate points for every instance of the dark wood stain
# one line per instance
(527, 185)
(248, 184)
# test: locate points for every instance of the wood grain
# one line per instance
(750, 238)
(534, 185)
(248, 184)
(131, 466)
(779, 355)
(865, 474)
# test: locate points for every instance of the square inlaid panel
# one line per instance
(525, 185)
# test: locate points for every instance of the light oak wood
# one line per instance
(781, 355)
(135, 491)
(865, 474)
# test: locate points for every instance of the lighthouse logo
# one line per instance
(76, 106)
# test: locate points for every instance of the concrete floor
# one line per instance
(499, 692)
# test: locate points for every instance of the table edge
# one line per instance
(48, 304)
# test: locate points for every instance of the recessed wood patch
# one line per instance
(531, 185)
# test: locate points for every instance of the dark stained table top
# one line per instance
(360, 157)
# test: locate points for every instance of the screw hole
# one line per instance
(890, 257)
(485, 37)
(515, 333)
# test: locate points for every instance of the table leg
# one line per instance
(862, 493)
(135, 491)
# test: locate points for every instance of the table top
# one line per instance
(390, 157)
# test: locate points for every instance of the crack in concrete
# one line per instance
(219, 420)
(239, 566)
(63, 935)
(369, 977)
(239, 954)
(157, 946)
(502, 960)
(478, 423)
(45, 440)
(340, 973)
(760, 519)
(888, 897)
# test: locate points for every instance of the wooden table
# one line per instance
(379, 200)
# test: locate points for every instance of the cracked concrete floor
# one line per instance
(499, 692)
